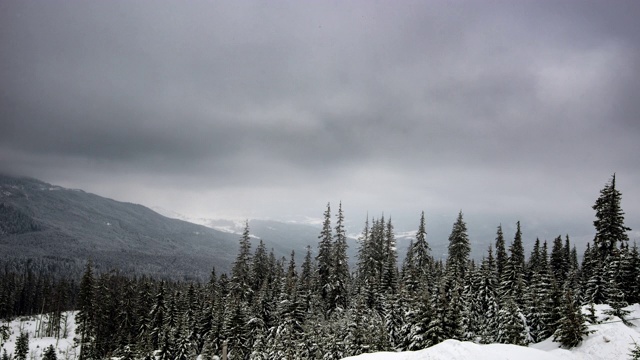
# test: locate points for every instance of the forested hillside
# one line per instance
(273, 308)
(64, 226)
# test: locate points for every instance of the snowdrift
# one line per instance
(610, 340)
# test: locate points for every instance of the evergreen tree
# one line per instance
(559, 261)
(306, 283)
(419, 322)
(471, 316)
(241, 271)
(394, 310)
(157, 318)
(609, 223)
(86, 317)
(417, 267)
(165, 351)
(390, 267)
(512, 282)
(453, 309)
(459, 250)
(501, 252)
(49, 353)
(534, 260)
(260, 267)
(517, 249)
(594, 279)
(184, 348)
(512, 325)
(634, 352)
(538, 307)
(340, 277)
(363, 256)
(236, 330)
(143, 304)
(633, 277)
(613, 289)
(324, 260)
(628, 272)
(22, 346)
(436, 332)
(572, 327)
(487, 297)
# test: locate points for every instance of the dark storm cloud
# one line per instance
(491, 106)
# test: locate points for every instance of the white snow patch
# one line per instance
(406, 234)
(611, 340)
(34, 326)
(459, 350)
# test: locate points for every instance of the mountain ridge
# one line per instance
(40, 220)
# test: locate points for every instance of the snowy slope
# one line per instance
(37, 344)
(458, 350)
(611, 340)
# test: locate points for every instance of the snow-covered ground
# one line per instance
(611, 340)
(37, 343)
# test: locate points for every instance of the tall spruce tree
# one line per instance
(501, 252)
(390, 266)
(512, 282)
(538, 307)
(306, 283)
(363, 255)
(324, 261)
(572, 326)
(22, 346)
(340, 278)
(512, 325)
(418, 262)
(559, 264)
(241, 271)
(259, 267)
(157, 317)
(459, 250)
(517, 249)
(86, 317)
(488, 300)
(610, 229)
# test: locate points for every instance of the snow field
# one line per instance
(37, 344)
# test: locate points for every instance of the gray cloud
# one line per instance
(512, 110)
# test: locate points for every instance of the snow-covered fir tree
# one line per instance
(572, 326)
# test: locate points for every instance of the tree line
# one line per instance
(270, 308)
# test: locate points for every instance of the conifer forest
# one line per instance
(274, 308)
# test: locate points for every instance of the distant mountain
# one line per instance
(280, 236)
(68, 226)
(40, 220)
(287, 236)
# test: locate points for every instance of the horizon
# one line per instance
(506, 111)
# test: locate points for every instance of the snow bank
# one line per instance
(611, 340)
(454, 350)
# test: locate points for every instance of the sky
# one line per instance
(504, 110)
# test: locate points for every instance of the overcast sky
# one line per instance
(506, 110)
